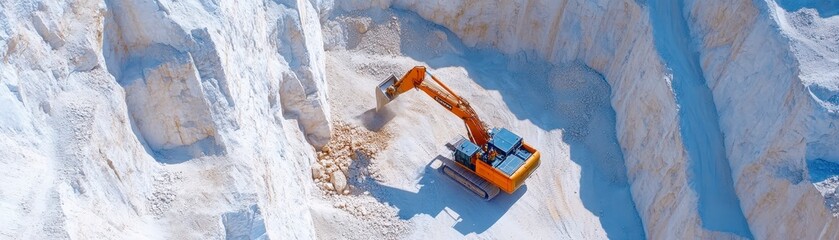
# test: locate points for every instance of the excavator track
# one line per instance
(470, 181)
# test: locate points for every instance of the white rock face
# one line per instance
(783, 121)
(121, 119)
(167, 102)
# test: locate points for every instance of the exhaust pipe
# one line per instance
(382, 97)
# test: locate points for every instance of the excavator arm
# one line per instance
(416, 79)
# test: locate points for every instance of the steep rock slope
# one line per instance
(772, 82)
(719, 207)
(124, 118)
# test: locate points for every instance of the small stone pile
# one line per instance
(164, 195)
(338, 161)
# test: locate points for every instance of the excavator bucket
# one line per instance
(382, 98)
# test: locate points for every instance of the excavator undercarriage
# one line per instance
(484, 189)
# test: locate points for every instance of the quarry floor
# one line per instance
(579, 191)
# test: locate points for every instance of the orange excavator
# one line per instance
(486, 162)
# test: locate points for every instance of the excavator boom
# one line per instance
(490, 159)
(391, 88)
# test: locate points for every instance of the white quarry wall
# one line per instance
(123, 118)
(62, 114)
(772, 124)
(167, 103)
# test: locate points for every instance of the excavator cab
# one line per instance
(464, 150)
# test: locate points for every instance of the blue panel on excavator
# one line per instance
(524, 154)
(505, 141)
(510, 164)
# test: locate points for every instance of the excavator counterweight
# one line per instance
(486, 162)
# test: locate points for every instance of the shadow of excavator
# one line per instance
(438, 194)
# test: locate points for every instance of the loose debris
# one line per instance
(346, 157)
